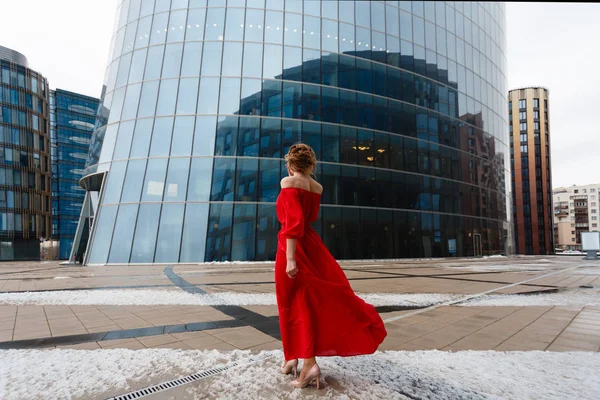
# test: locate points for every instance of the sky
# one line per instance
(549, 44)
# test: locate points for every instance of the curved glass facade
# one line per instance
(403, 102)
(24, 159)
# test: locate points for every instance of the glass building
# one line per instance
(72, 118)
(403, 102)
(24, 159)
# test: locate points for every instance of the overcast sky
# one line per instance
(552, 45)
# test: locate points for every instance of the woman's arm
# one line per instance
(290, 252)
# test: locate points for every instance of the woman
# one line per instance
(319, 314)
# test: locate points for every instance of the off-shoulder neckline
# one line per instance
(303, 190)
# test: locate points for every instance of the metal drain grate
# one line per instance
(138, 394)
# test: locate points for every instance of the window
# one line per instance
(536, 126)
(536, 115)
(522, 104)
(594, 211)
(593, 204)
(510, 106)
(594, 225)
(523, 137)
(592, 190)
(594, 218)
(576, 191)
(524, 149)
(523, 115)
(523, 126)
(584, 191)
(536, 103)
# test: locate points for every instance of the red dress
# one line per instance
(319, 314)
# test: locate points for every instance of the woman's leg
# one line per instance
(306, 366)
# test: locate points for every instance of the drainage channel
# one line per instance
(161, 387)
(252, 359)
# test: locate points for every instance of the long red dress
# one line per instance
(319, 314)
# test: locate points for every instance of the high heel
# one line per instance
(314, 373)
(290, 366)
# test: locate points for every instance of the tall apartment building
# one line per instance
(575, 210)
(531, 170)
(24, 158)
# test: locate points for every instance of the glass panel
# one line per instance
(172, 62)
(112, 193)
(230, 96)
(182, 136)
(215, 21)
(141, 138)
(244, 232)
(254, 25)
(195, 24)
(123, 143)
(167, 97)
(211, 65)
(108, 146)
(138, 63)
(204, 136)
(248, 137)
(103, 235)
(176, 26)
(269, 177)
(154, 62)
(123, 235)
(159, 28)
(187, 96)
(154, 183)
(209, 95)
(193, 242)
(223, 176)
(273, 57)
(274, 27)
(177, 179)
(330, 36)
(312, 32)
(117, 104)
(169, 233)
(123, 73)
(192, 55)
(146, 228)
(235, 24)
(131, 101)
(246, 179)
(219, 232)
(133, 181)
(252, 60)
(233, 54)
(161, 137)
(200, 179)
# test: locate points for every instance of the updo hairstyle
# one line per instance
(301, 158)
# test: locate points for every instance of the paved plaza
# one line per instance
(521, 327)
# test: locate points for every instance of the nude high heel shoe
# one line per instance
(290, 366)
(314, 373)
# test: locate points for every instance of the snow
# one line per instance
(95, 374)
(178, 297)
(579, 299)
(484, 267)
(62, 277)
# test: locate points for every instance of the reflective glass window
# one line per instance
(134, 179)
(147, 7)
(293, 29)
(112, 193)
(208, 96)
(246, 180)
(331, 143)
(110, 136)
(123, 234)
(161, 137)
(329, 39)
(250, 97)
(154, 62)
(154, 183)
(143, 32)
(391, 21)
(218, 243)
(312, 32)
(177, 26)
(346, 38)
(418, 31)
(162, 5)
(223, 177)
(148, 99)
(248, 137)
(252, 60)
(192, 54)
(377, 15)
(232, 53)
(204, 136)
(183, 135)
(159, 28)
(211, 59)
(193, 241)
(226, 138)
(132, 98)
(195, 24)
(272, 64)
(123, 73)
(177, 179)
(187, 96)
(254, 25)
(234, 29)
(215, 21)
(177, 4)
(292, 63)
(123, 143)
(406, 30)
(274, 27)
(270, 138)
(138, 63)
(167, 96)
(244, 231)
(146, 229)
(172, 62)
(200, 179)
(363, 13)
(103, 235)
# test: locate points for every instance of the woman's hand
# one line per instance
(291, 270)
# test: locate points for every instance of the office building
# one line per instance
(575, 211)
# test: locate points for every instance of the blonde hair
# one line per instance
(301, 158)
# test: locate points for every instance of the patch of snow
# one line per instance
(177, 297)
(483, 267)
(62, 277)
(494, 256)
(436, 375)
(545, 299)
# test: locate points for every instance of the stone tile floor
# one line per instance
(455, 328)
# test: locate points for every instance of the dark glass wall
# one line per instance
(24, 162)
(402, 101)
(72, 119)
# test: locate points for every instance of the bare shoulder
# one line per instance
(293, 182)
(316, 186)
